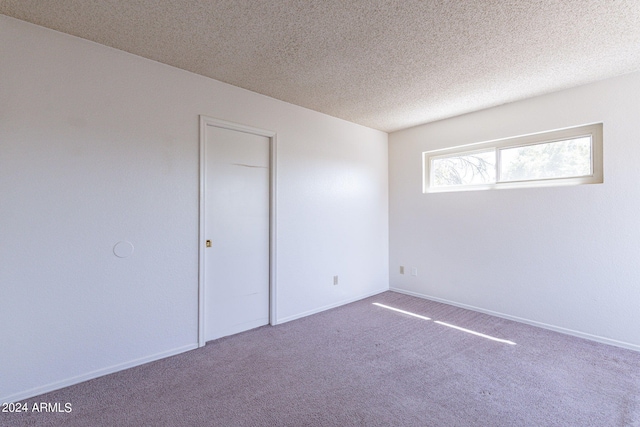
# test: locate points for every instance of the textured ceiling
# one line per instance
(381, 63)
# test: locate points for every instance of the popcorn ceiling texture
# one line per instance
(383, 64)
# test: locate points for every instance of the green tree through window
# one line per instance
(564, 157)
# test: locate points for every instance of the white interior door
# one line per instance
(237, 223)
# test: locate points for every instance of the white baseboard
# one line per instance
(330, 306)
(92, 375)
(523, 320)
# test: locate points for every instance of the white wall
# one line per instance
(99, 146)
(566, 258)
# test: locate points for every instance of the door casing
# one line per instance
(209, 121)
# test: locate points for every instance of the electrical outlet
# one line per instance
(402, 269)
(414, 271)
(335, 280)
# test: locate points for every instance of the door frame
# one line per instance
(210, 121)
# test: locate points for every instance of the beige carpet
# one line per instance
(368, 365)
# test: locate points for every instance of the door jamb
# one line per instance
(210, 121)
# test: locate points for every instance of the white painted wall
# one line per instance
(99, 146)
(566, 258)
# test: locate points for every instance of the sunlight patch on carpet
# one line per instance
(469, 331)
(401, 311)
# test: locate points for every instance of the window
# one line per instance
(563, 157)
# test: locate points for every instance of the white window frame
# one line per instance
(595, 177)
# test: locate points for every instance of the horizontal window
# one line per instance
(563, 157)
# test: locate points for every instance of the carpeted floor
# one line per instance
(367, 365)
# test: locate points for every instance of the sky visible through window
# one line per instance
(549, 160)
(560, 159)
(465, 169)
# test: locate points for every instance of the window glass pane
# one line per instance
(464, 169)
(559, 159)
